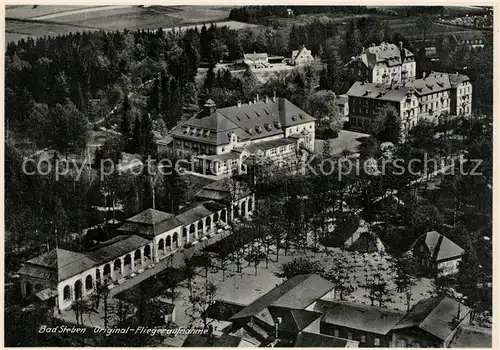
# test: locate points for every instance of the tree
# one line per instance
(386, 126)
(201, 300)
(323, 106)
(333, 77)
(69, 132)
(299, 266)
(424, 23)
(173, 277)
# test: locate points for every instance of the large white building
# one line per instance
(59, 277)
(435, 95)
(385, 63)
(221, 139)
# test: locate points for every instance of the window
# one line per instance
(377, 342)
(363, 338)
(336, 332)
(349, 335)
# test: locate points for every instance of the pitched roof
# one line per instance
(378, 91)
(468, 336)
(315, 340)
(457, 79)
(116, 247)
(150, 222)
(254, 56)
(296, 293)
(213, 128)
(435, 316)
(261, 119)
(293, 320)
(468, 35)
(295, 53)
(434, 82)
(223, 341)
(440, 247)
(358, 316)
(60, 264)
(150, 217)
(224, 189)
(389, 54)
(198, 211)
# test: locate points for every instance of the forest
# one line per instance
(58, 89)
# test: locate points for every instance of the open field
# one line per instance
(24, 21)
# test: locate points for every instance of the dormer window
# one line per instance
(258, 129)
(294, 117)
(267, 127)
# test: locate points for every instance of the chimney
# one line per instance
(423, 75)
(267, 99)
(274, 95)
(250, 102)
(257, 98)
(401, 45)
(238, 104)
(281, 111)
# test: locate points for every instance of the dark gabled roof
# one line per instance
(60, 264)
(358, 316)
(212, 128)
(224, 189)
(389, 54)
(198, 211)
(296, 293)
(38, 272)
(378, 91)
(258, 120)
(150, 222)
(315, 340)
(223, 341)
(119, 246)
(293, 320)
(440, 247)
(468, 336)
(457, 79)
(435, 316)
(434, 82)
(150, 217)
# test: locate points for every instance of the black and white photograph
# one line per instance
(283, 175)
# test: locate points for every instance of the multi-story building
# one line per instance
(467, 40)
(435, 95)
(280, 313)
(256, 60)
(436, 254)
(301, 57)
(59, 277)
(220, 139)
(385, 63)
